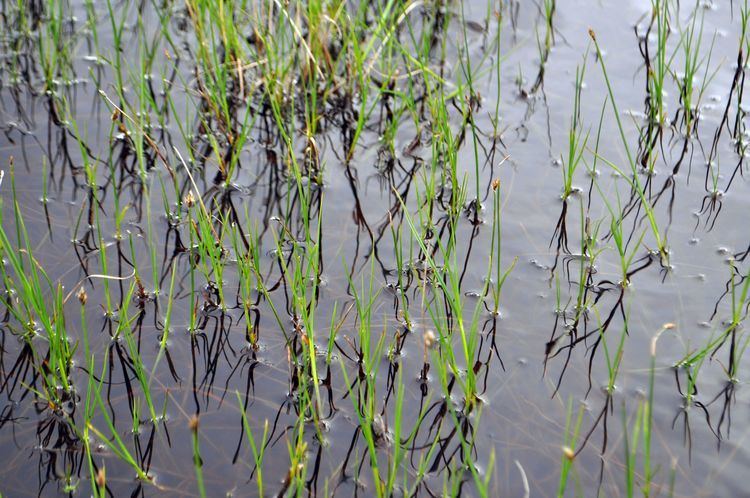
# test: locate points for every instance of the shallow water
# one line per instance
(698, 450)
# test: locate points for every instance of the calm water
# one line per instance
(525, 393)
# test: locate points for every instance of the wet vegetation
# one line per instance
(373, 248)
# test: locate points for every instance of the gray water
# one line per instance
(698, 449)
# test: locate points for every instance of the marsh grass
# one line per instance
(202, 237)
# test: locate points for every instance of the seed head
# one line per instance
(101, 477)
(193, 423)
(495, 184)
(82, 296)
(592, 34)
(429, 339)
(189, 199)
(568, 452)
